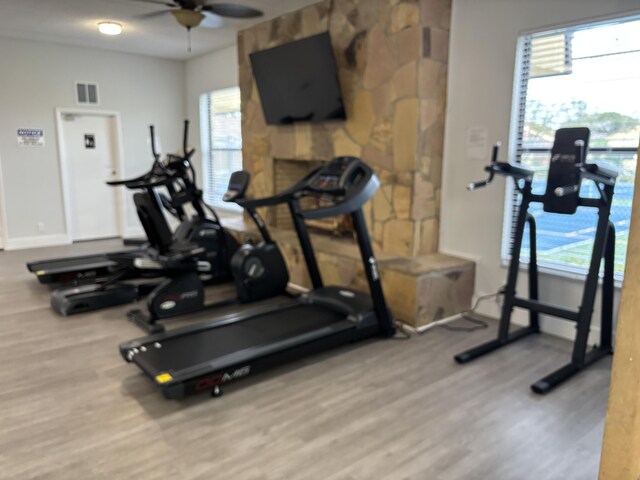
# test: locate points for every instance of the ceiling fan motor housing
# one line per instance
(188, 18)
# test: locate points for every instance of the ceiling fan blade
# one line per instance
(211, 21)
(231, 10)
(158, 2)
(146, 16)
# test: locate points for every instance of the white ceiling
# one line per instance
(75, 22)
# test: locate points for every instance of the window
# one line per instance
(580, 76)
(221, 143)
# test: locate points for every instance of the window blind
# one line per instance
(549, 54)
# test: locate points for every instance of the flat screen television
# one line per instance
(298, 81)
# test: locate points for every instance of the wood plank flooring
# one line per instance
(71, 408)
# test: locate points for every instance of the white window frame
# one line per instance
(206, 134)
(516, 101)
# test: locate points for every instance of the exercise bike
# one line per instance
(258, 270)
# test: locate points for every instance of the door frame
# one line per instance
(121, 212)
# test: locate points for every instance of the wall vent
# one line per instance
(87, 93)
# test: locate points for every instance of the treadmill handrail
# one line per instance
(285, 196)
(349, 203)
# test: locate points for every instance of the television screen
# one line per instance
(298, 81)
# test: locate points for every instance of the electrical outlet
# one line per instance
(41, 227)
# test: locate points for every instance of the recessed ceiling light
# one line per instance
(110, 28)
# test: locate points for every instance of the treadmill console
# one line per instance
(350, 182)
(336, 176)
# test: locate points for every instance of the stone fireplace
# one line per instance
(392, 65)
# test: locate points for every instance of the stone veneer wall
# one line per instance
(392, 61)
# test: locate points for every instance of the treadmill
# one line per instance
(97, 268)
(205, 356)
(79, 269)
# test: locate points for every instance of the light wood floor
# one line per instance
(71, 408)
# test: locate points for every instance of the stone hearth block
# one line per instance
(418, 290)
(432, 287)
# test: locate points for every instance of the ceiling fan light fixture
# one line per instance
(110, 28)
(188, 18)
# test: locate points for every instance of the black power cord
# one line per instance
(476, 324)
(401, 332)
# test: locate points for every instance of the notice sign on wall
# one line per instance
(30, 137)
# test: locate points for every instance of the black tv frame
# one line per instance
(274, 89)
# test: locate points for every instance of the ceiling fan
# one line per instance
(190, 13)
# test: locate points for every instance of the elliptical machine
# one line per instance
(258, 270)
(199, 244)
(202, 230)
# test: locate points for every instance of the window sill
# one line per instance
(556, 272)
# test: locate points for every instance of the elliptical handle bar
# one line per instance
(156, 155)
(156, 169)
(494, 159)
(185, 140)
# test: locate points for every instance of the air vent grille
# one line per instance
(87, 93)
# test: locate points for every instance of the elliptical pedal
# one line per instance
(86, 298)
(144, 321)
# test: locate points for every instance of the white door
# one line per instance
(90, 151)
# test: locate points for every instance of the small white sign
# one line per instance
(477, 143)
(30, 137)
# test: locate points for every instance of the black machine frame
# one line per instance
(199, 245)
(562, 198)
(103, 268)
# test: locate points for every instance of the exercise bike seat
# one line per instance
(238, 184)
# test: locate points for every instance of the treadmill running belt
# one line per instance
(185, 351)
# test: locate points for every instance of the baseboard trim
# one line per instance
(36, 242)
(133, 232)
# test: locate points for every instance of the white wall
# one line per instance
(481, 70)
(204, 74)
(38, 77)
